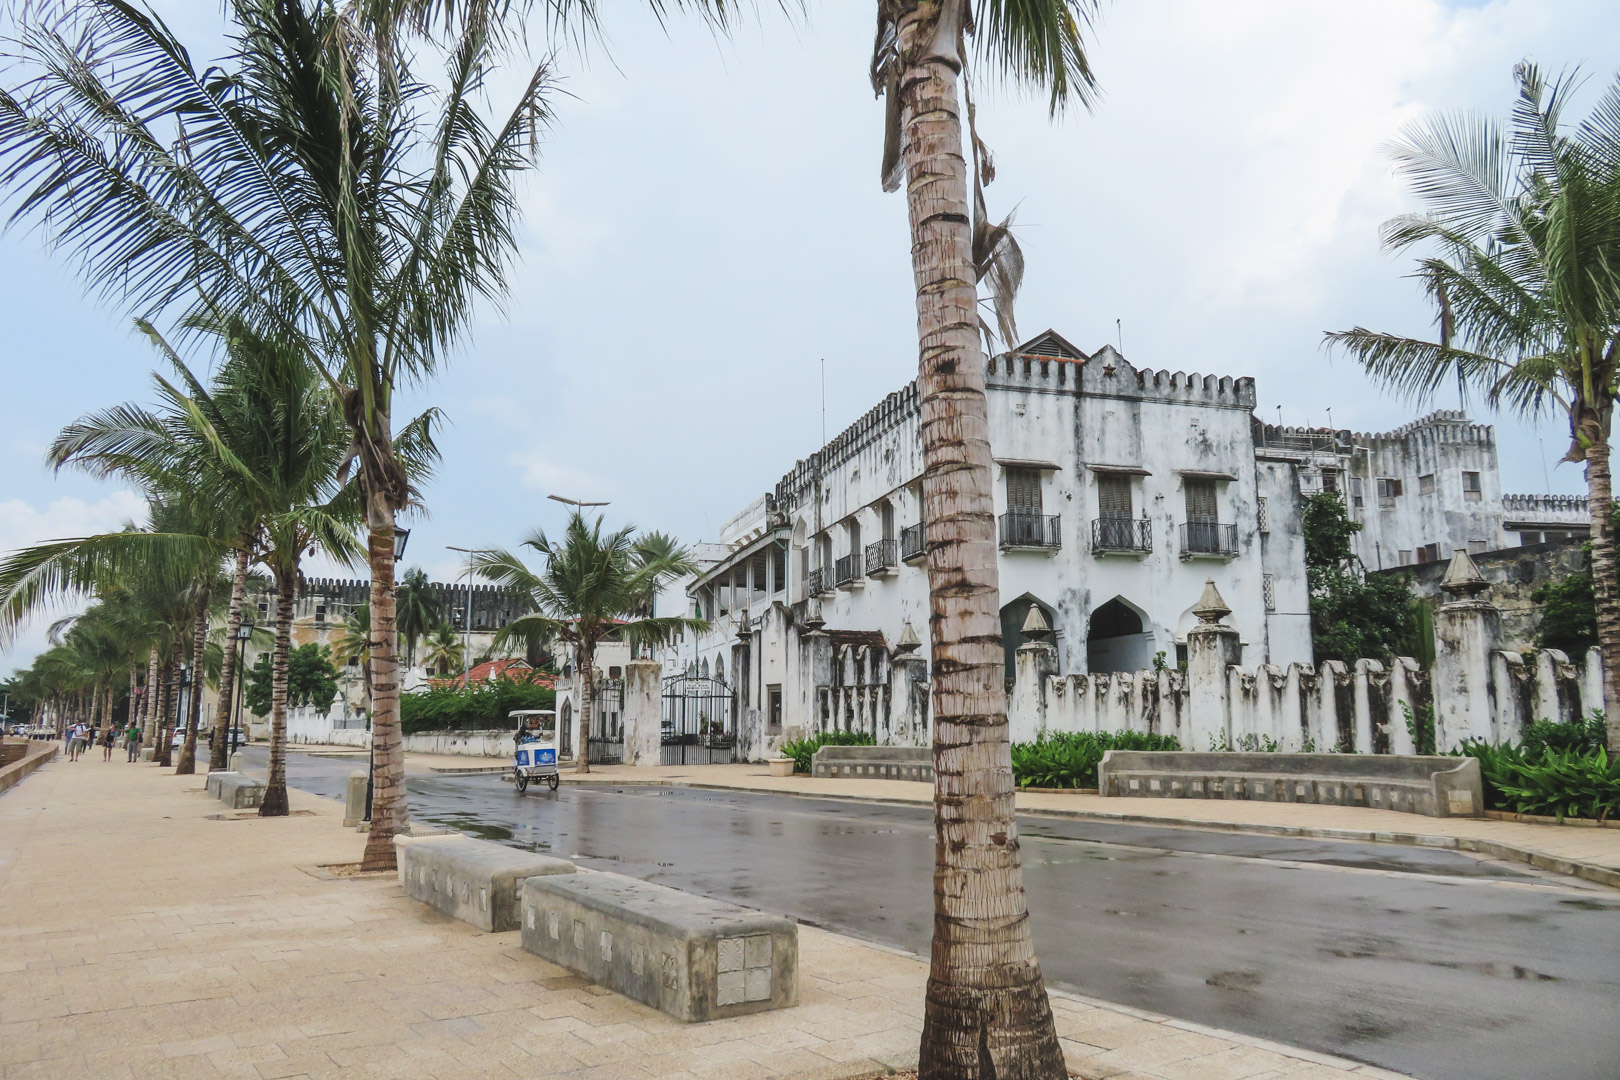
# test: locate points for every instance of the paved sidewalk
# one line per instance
(147, 934)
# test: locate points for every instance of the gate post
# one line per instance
(643, 722)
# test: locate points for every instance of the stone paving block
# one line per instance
(472, 880)
(689, 956)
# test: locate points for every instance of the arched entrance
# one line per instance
(1013, 616)
(1117, 638)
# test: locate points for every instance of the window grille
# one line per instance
(1268, 589)
(1264, 515)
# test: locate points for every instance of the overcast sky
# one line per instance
(706, 226)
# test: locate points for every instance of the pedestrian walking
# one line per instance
(75, 741)
(133, 738)
(108, 737)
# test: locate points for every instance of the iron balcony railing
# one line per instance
(1024, 530)
(847, 569)
(816, 583)
(912, 543)
(880, 556)
(1121, 534)
(1208, 538)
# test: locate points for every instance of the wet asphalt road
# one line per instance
(1426, 962)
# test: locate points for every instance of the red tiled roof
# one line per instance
(516, 669)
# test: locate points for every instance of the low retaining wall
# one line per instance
(475, 881)
(38, 753)
(1432, 786)
(874, 763)
(495, 744)
(688, 956)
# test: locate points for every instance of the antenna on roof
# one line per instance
(823, 401)
(1330, 417)
(1119, 332)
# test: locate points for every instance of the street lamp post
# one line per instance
(233, 739)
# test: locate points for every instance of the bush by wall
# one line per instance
(480, 707)
(802, 750)
(1069, 759)
(1556, 770)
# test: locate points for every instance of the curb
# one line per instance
(1586, 871)
(14, 773)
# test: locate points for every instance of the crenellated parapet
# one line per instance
(1440, 426)
(1570, 509)
(894, 410)
(1108, 374)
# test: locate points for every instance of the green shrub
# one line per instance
(1421, 727)
(1069, 759)
(1558, 770)
(802, 750)
(480, 707)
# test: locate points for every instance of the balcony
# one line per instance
(1034, 531)
(912, 543)
(817, 582)
(847, 571)
(1121, 535)
(1208, 539)
(880, 558)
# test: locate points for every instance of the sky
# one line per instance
(705, 235)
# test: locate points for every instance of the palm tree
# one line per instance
(444, 649)
(351, 644)
(418, 610)
(1524, 221)
(592, 587)
(986, 1011)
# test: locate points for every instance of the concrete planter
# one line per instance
(780, 766)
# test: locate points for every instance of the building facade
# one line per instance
(1119, 492)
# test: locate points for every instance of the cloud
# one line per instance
(23, 524)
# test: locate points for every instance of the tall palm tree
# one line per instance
(986, 1012)
(444, 654)
(593, 586)
(1523, 222)
(418, 610)
(351, 644)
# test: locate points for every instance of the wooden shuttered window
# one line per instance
(1201, 501)
(1113, 496)
(1024, 491)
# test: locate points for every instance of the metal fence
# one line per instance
(1030, 530)
(1121, 534)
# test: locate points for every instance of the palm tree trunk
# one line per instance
(986, 1013)
(585, 660)
(219, 746)
(1606, 592)
(388, 809)
(199, 659)
(162, 752)
(275, 784)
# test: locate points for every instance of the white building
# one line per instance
(1119, 491)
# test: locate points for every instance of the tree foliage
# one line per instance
(483, 706)
(1353, 614)
(311, 680)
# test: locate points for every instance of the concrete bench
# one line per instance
(475, 881)
(874, 763)
(239, 791)
(1433, 786)
(691, 957)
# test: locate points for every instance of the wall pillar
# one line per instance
(908, 691)
(1034, 661)
(643, 712)
(1466, 629)
(1211, 649)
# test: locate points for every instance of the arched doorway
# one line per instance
(1013, 616)
(1117, 638)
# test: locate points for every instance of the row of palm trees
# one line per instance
(333, 188)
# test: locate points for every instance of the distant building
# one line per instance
(1118, 492)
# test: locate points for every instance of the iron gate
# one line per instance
(606, 737)
(699, 721)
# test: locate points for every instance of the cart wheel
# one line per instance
(521, 781)
(554, 780)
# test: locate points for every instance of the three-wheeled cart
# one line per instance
(534, 748)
